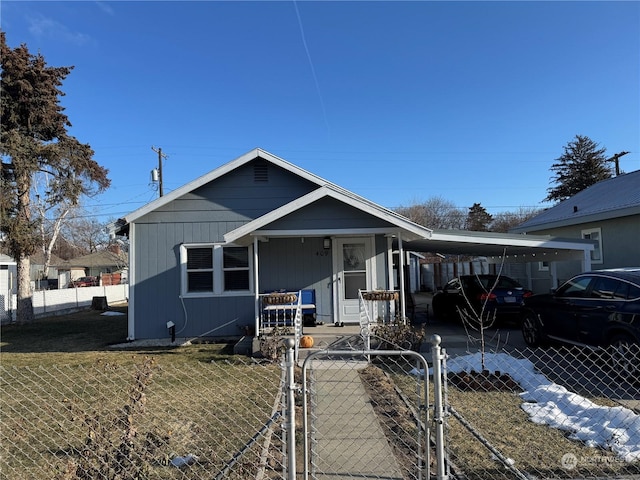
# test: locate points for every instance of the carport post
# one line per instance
(402, 296)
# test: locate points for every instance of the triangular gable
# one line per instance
(219, 172)
(410, 230)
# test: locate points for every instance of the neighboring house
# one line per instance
(39, 278)
(201, 256)
(8, 287)
(95, 264)
(607, 213)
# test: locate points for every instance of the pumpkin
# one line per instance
(306, 341)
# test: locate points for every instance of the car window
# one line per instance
(609, 288)
(576, 287)
(634, 292)
(506, 282)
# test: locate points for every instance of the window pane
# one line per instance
(352, 283)
(236, 257)
(236, 280)
(605, 288)
(353, 255)
(199, 258)
(576, 288)
(200, 281)
(634, 292)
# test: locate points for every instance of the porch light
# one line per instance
(326, 243)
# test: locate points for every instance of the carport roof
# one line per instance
(517, 248)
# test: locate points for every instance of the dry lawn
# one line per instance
(65, 392)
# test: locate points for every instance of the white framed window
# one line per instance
(543, 266)
(594, 234)
(214, 269)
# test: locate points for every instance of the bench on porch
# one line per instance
(283, 314)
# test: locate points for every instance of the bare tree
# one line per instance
(436, 212)
(483, 319)
(85, 233)
(505, 221)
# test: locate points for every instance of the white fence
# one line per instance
(49, 302)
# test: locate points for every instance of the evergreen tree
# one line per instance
(478, 219)
(34, 140)
(581, 165)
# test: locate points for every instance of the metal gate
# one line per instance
(364, 414)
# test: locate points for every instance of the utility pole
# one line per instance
(160, 157)
(615, 159)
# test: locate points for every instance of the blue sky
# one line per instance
(396, 101)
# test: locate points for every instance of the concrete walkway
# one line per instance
(348, 440)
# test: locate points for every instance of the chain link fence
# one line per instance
(365, 416)
(522, 414)
(542, 413)
(216, 420)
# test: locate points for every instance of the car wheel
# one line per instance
(532, 330)
(625, 356)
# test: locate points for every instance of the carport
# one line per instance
(504, 248)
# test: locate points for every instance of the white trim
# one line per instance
(256, 287)
(217, 271)
(401, 267)
(410, 229)
(219, 172)
(599, 249)
(131, 322)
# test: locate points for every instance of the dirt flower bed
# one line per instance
(396, 419)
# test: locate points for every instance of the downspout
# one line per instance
(256, 288)
(401, 261)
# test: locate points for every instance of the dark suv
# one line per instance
(596, 309)
(486, 294)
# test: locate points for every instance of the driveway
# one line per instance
(580, 370)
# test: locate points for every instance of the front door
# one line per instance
(353, 270)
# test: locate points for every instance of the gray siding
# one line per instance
(620, 247)
(291, 264)
(328, 213)
(204, 216)
(232, 198)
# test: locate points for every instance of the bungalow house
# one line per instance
(8, 287)
(202, 256)
(95, 264)
(40, 279)
(607, 213)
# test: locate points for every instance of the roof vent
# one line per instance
(261, 172)
(575, 208)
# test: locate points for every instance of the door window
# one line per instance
(355, 269)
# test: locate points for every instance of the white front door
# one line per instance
(353, 269)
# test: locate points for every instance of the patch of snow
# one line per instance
(110, 313)
(547, 403)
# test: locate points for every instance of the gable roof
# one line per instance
(103, 258)
(409, 229)
(325, 189)
(219, 172)
(612, 198)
